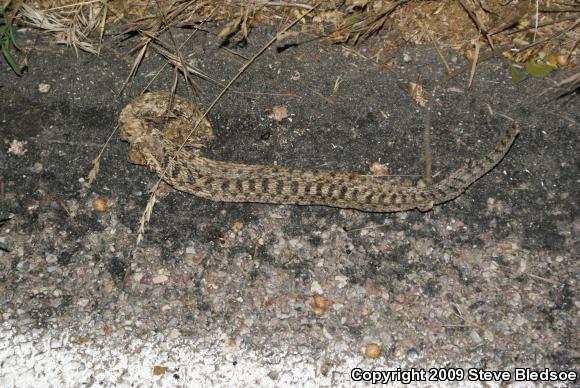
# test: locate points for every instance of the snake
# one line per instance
(166, 134)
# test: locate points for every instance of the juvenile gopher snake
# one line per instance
(233, 182)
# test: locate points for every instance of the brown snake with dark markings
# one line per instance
(234, 182)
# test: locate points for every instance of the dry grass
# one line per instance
(532, 29)
(71, 25)
(569, 85)
(524, 30)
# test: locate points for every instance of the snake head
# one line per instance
(147, 151)
(151, 113)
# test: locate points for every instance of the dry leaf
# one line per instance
(230, 28)
(18, 147)
(319, 304)
(418, 93)
(237, 226)
(100, 205)
(159, 370)
(286, 35)
(278, 113)
(378, 169)
(372, 350)
(469, 54)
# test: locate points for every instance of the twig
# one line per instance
(365, 28)
(427, 140)
(176, 60)
(572, 50)
(510, 20)
(97, 161)
(542, 25)
(452, 326)
(328, 100)
(74, 5)
(234, 53)
(285, 4)
(567, 118)
(554, 282)
(440, 54)
(559, 10)
(474, 63)
(478, 23)
(181, 63)
(555, 36)
(293, 95)
(135, 66)
(158, 27)
(536, 21)
(486, 56)
(102, 32)
(68, 214)
(377, 226)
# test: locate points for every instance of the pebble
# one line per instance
(100, 205)
(159, 279)
(319, 304)
(108, 286)
(315, 288)
(341, 281)
(372, 350)
(412, 355)
(37, 167)
(475, 337)
(83, 302)
(174, 334)
(43, 88)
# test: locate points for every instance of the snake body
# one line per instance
(234, 182)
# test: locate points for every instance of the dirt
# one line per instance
(488, 280)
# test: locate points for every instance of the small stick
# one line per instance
(366, 228)
(74, 5)
(97, 161)
(537, 17)
(68, 214)
(486, 56)
(440, 54)
(542, 25)
(478, 23)
(180, 46)
(544, 279)
(474, 63)
(427, 140)
(286, 4)
(555, 36)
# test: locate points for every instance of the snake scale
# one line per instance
(155, 132)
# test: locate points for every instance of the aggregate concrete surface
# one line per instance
(264, 295)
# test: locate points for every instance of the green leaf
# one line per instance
(538, 69)
(8, 43)
(4, 247)
(11, 61)
(517, 75)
